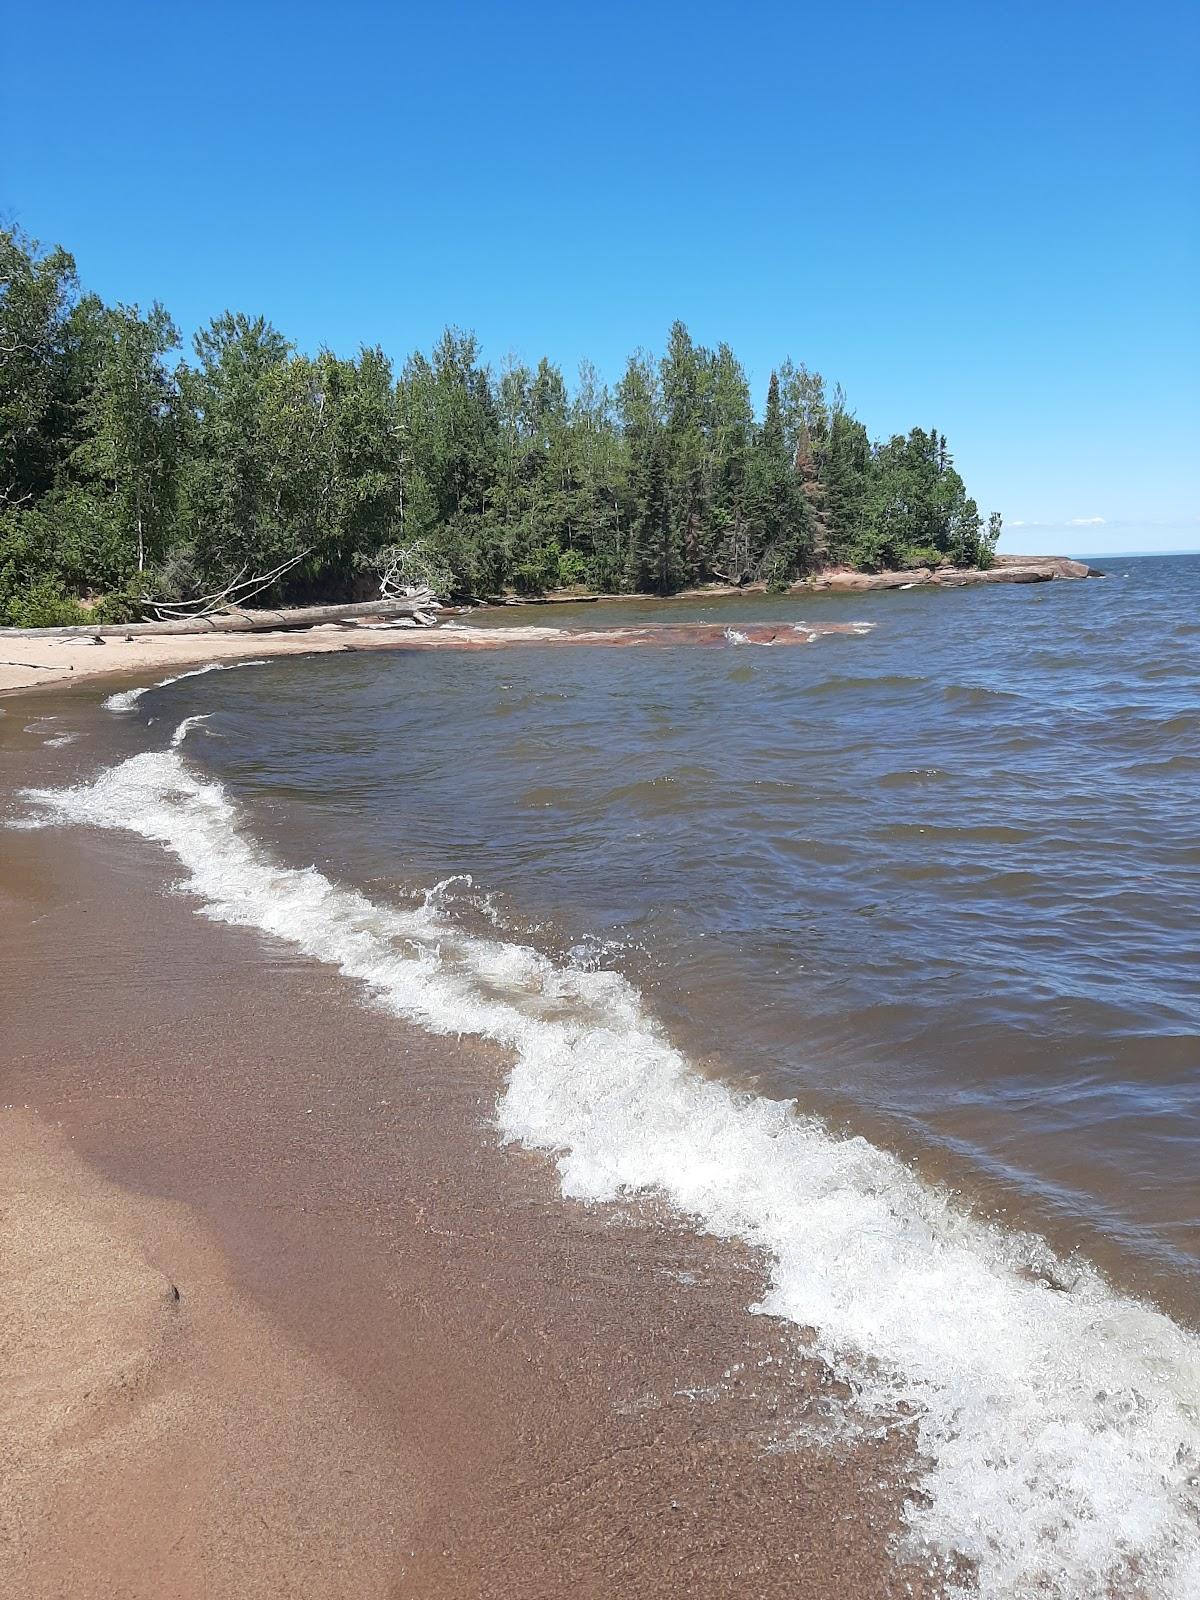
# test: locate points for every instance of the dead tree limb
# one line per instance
(232, 597)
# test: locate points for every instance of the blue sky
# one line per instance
(983, 217)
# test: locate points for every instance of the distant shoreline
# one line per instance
(30, 659)
(846, 580)
(1134, 555)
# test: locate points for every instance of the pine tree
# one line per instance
(779, 516)
(116, 471)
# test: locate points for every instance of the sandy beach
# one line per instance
(34, 660)
(601, 978)
(283, 1317)
(37, 663)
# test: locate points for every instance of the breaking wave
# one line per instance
(127, 699)
(1056, 1421)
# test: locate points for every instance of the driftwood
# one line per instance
(410, 569)
(257, 621)
(406, 573)
(234, 595)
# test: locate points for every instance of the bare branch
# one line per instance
(234, 595)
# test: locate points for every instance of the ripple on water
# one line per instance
(913, 776)
(948, 888)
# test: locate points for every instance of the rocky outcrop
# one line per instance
(1005, 569)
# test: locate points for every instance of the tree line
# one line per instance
(127, 473)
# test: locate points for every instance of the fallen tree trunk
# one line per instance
(236, 621)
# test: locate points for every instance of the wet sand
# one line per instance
(399, 1362)
(163, 1437)
(38, 663)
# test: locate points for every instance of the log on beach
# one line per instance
(256, 621)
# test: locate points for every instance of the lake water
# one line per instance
(880, 953)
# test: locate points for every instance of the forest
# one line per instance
(130, 476)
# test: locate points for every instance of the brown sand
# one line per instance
(400, 1363)
(152, 1433)
(35, 663)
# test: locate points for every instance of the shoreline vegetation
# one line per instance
(132, 483)
(38, 657)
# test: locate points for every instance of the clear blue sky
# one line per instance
(979, 216)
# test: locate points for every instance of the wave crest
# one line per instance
(1059, 1425)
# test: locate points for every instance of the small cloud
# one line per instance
(1065, 522)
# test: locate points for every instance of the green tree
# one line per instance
(231, 519)
(778, 514)
(845, 479)
(38, 290)
(918, 512)
(595, 554)
(254, 459)
(332, 466)
(127, 455)
(451, 438)
(686, 382)
(652, 558)
(731, 431)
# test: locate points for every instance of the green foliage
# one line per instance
(537, 570)
(126, 476)
(37, 295)
(917, 509)
(778, 510)
(40, 604)
(125, 459)
(572, 569)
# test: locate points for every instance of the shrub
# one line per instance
(114, 609)
(921, 555)
(41, 604)
(572, 569)
(538, 570)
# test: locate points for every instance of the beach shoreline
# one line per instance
(52, 661)
(396, 1348)
(537, 1397)
(30, 659)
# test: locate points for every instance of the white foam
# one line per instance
(52, 741)
(127, 699)
(1060, 1426)
(186, 726)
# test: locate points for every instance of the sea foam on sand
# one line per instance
(1058, 1428)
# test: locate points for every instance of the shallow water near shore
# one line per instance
(935, 883)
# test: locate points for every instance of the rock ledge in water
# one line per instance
(1005, 569)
